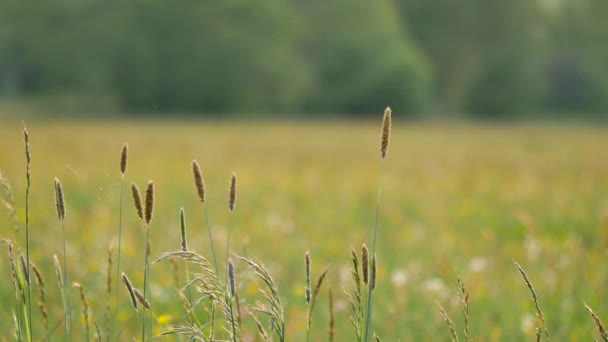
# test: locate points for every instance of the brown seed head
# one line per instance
(386, 132)
(137, 201)
(365, 263)
(141, 299)
(59, 200)
(123, 158)
(232, 202)
(199, 182)
(149, 202)
(129, 287)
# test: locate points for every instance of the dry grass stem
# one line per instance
(541, 327)
(598, 323)
(449, 322)
(355, 298)
(463, 299)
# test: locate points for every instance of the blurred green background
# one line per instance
(488, 58)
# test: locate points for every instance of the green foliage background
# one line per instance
(484, 57)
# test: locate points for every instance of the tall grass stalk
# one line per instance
(384, 142)
(184, 247)
(60, 204)
(123, 169)
(148, 210)
(199, 182)
(231, 207)
(28, 179)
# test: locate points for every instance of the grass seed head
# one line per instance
(231, 277)
(365, 263)
(372, 281)
(598, 323)
(123, 158)
(149, 208)
(59, 200)
(41, 293)
(129, 287)
(28, 156)
(83, 302)
(386, 132)
(199, 181)
(24, 269)
(232, 201)
(137, 201)
(182, 221)
(141, 299)
(307, 266)
(330, 329)
(58, 272)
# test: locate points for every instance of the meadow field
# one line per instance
(458, 200)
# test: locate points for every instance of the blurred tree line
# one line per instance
(482, 57)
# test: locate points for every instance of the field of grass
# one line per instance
(457, 200)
